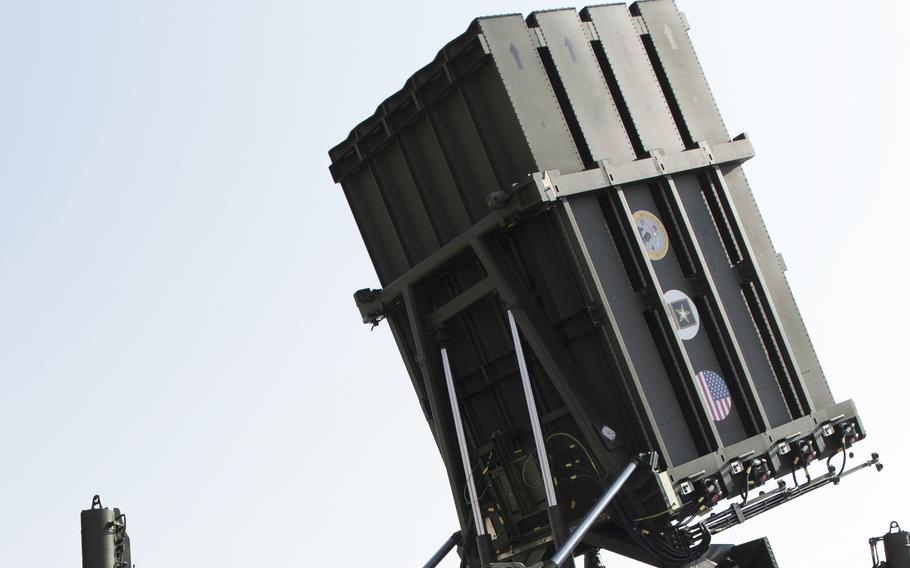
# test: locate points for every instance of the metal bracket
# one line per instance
(685, 21)
(667, 492)
(781, 261)
(658, 164)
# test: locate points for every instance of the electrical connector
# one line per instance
(849, 433)
(712, 491)
(805, 453)
(760, 472)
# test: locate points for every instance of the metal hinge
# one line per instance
(597, 313)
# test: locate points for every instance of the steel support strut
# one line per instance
(484, 547)
(555, 515)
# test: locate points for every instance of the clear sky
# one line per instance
(177, 330)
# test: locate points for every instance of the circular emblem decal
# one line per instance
(716, 395)
(652, 234)
(683, 313)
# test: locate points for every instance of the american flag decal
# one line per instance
(716, 394)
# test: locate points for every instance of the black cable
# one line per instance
(524, 469)
(745, 493)
(843, 464)
(674, 554)
(486, 465)
(685, 522)
(483, 472)
(725, 520)
(659, 550)
(600, 479)
(658, 545)
(663, 550)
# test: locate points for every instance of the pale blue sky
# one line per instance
(177, 330)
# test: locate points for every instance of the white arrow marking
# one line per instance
(669, 33)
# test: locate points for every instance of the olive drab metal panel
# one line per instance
(634, 76)
(575, 272)
(530, 92)
(569, 48)
(698, 111)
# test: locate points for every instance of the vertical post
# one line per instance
(484, 547)
(556, 521)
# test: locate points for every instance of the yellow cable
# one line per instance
(654, 516)
(582, 446)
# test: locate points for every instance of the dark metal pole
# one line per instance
(447, 546)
